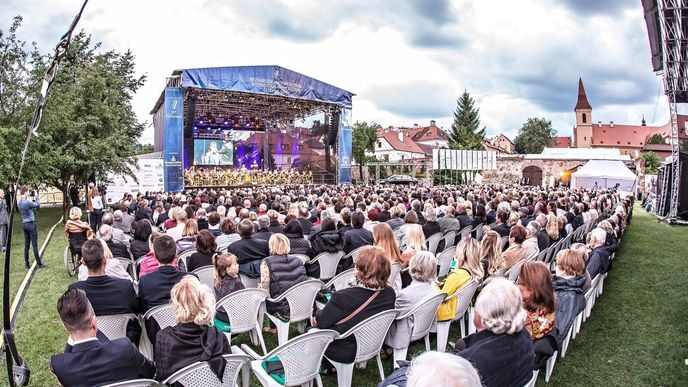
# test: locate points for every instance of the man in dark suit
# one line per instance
(154, 288)
(164, 215)
(542, 236)
(306, 224)
(357, 236)
(501, 227)
(416, 205)
(263, 232)
(598, 263)
(462, 215)
(249, 251)
(90, 359)
(107, 295)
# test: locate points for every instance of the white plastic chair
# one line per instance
(449, 239)
(433, 242)
(423, 315)
(301, 298)
(206, 275)
(134, 383)
(444, 260)
(565, 343)
(465, 296)
(300, 357)
(370, 335)
(114, 326)
(353, 254)
(590, 297)
(549, 367)
(199, 373)
(502, 242)
(248, 281)
(129, 265)
(514, 271)
(184, 256)
(328, 264)
(466, 232)
(479, 232)
(341, 280)
(303, 257)
(164, 316)
(533, 380)
(243, 308)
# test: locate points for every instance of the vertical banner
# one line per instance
(345, 138)
(172, 140)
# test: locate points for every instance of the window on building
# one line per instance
(386, 157)
(585, 118)
(379, 144)
(402, 157)
(585, 139)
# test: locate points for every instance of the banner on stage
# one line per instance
(464, 160)
(148, 172)
(345, 139)
(174, 130)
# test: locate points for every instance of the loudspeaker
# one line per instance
(331, 138)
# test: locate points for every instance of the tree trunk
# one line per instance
(360, 171)
(66, 202)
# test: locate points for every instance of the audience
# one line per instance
(205, 250)
(383, 237)
(139, 245)
(187, 242)
(515, 252)
(466, 266)
(598, 261)
(228, 236)
(77, 231)
(358, 236)
(535, 283)
(568, 287)
(491, 256)
(227, 281)
(249, 251)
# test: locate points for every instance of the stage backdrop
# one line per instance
(172, 151)
(345, 147)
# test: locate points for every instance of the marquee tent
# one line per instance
(606, 173)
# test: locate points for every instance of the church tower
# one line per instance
(583, 129)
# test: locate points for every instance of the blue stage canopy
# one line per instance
(271, 80)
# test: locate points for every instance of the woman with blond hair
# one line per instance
(188, 240)
(77, 231)
(467, 267)
(415, 241)
(194, 338)
(278, 273)
(491, 254)
(552, 228)
(383, 237)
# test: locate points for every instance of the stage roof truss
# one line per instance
(271, 109)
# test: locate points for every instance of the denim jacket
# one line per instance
(26, 209)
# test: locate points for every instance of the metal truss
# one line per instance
(673, 23)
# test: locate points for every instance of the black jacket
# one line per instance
(139, 248)
(285, 272)
(198, 260)
(543, 240)
(421, 217)
(464, 219)
(186, 343)
(501, 360)
(202, 224)
(395, 223)
(154, 288)
(263, 233)
(118, 249)
(503, 230)
(298, 244)
(100, 362)
(109, 295)
(249, 252)
(326, 241)
(356, 238)
(431, 228)
(306, 225)
(570, 302)
(275, 227)
(341, 305)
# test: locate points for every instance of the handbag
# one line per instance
(359, 309)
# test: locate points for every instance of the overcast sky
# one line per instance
(406, 61)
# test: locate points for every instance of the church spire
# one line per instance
(582, 98)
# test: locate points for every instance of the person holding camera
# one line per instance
(28, 204)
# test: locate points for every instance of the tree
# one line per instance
(465, 132)
(652, 163)
(656, 138)
(534, 135)
(88, 127)
(364, 137)
(142, 149)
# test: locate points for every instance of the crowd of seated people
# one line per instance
(254, 233)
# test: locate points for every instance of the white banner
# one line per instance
(464, 160)
(149, 173)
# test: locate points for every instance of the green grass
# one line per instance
(637, 334)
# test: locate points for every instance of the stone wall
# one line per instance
(510, 169)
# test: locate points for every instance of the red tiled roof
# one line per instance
(428, 133)
(502, 135)
(392, 137)
(427, 149)
(657, 148)
(490, 147)
(561, 142)
(626, 136)
(582, 98)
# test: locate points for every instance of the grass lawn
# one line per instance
(637, 334)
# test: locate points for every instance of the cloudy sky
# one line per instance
(406, 61)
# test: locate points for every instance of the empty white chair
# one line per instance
(300, 357)
(301, 298)
(433, 242)
(422, 315)
(328, 264)
(464, 296)
(444, 260)
(200, 374)
(135, 383)
(370, 335)
(206, 275)
(243, 308)
(114, 326)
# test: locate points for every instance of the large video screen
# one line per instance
(213, 152)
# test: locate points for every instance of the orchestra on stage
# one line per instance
(206, 176)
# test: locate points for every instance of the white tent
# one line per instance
(606, 173)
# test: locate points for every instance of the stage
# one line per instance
(267, 122)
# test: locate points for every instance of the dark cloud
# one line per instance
(439, 11)
(415, 99)
(610, 8)
(436, 39)
(300, 33)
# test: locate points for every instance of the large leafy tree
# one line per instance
(534, 135)
(364, 136)
(465, 130)
(88, 127)
(652, 163)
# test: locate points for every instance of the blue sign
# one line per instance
(172, 137)
(345, 136)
